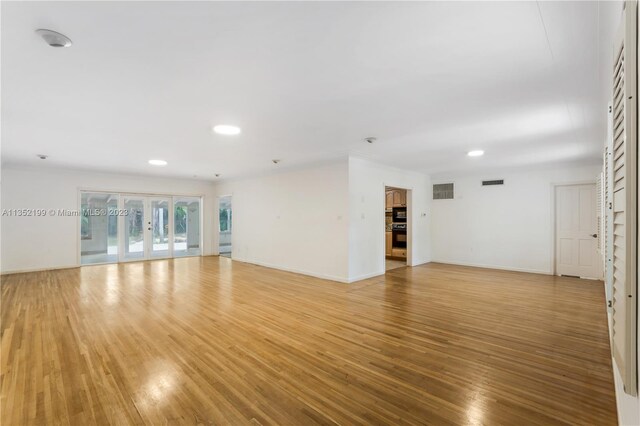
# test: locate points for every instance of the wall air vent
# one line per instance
(443, 191)
(493, 182)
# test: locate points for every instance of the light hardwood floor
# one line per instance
(394, 264)
(211, 341)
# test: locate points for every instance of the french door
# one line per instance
(147, 227)
(122, 227)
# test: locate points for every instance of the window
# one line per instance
(225, 219)
(85, 224)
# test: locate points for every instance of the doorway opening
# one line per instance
(396, 228)
(225, 221)
(576, 232)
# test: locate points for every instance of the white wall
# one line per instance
(367, 183)
(296, 220)
(509, 226)
(32, 243)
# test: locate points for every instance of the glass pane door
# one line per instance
(186, 241)
(225, 219)
(98, 227)
(160, 229)
(134, 228)
(124, 227)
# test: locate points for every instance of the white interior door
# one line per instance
(576, 231)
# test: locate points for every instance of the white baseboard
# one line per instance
(628, 406)
(23, 271)
(423, 262)
(294, 270)
(365, 276)
(502, 268)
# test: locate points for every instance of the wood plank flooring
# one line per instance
(211, 341)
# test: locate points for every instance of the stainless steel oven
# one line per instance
(399, 235)
(399, 214)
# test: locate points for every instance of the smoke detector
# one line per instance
(370, 139)
(53, 38)
(42, 156)
(275, 161)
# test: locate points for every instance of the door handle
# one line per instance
(594, 235)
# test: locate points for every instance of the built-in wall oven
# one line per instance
(399, 214)
(399, 235)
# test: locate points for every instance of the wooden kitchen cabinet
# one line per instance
(399, 252)
(388, 243)
(399, 198)
(389, 200)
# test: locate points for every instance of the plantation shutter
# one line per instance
(600, 213)
(624, 181)
(608, 222)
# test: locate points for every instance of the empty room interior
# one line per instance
(299, 213)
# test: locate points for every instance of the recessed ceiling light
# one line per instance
(53, 38)
(226, 129)
(476, 153)
(157, 162)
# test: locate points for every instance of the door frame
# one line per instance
(409, 199)
(121, 195)
(554, 186)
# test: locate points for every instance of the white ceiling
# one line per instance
(306, 82)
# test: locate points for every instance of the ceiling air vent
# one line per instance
(493, 182)
(443, 191)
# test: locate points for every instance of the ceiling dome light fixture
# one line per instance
(53, 38)
(159, 163)
(475, 153)
(226, 129)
